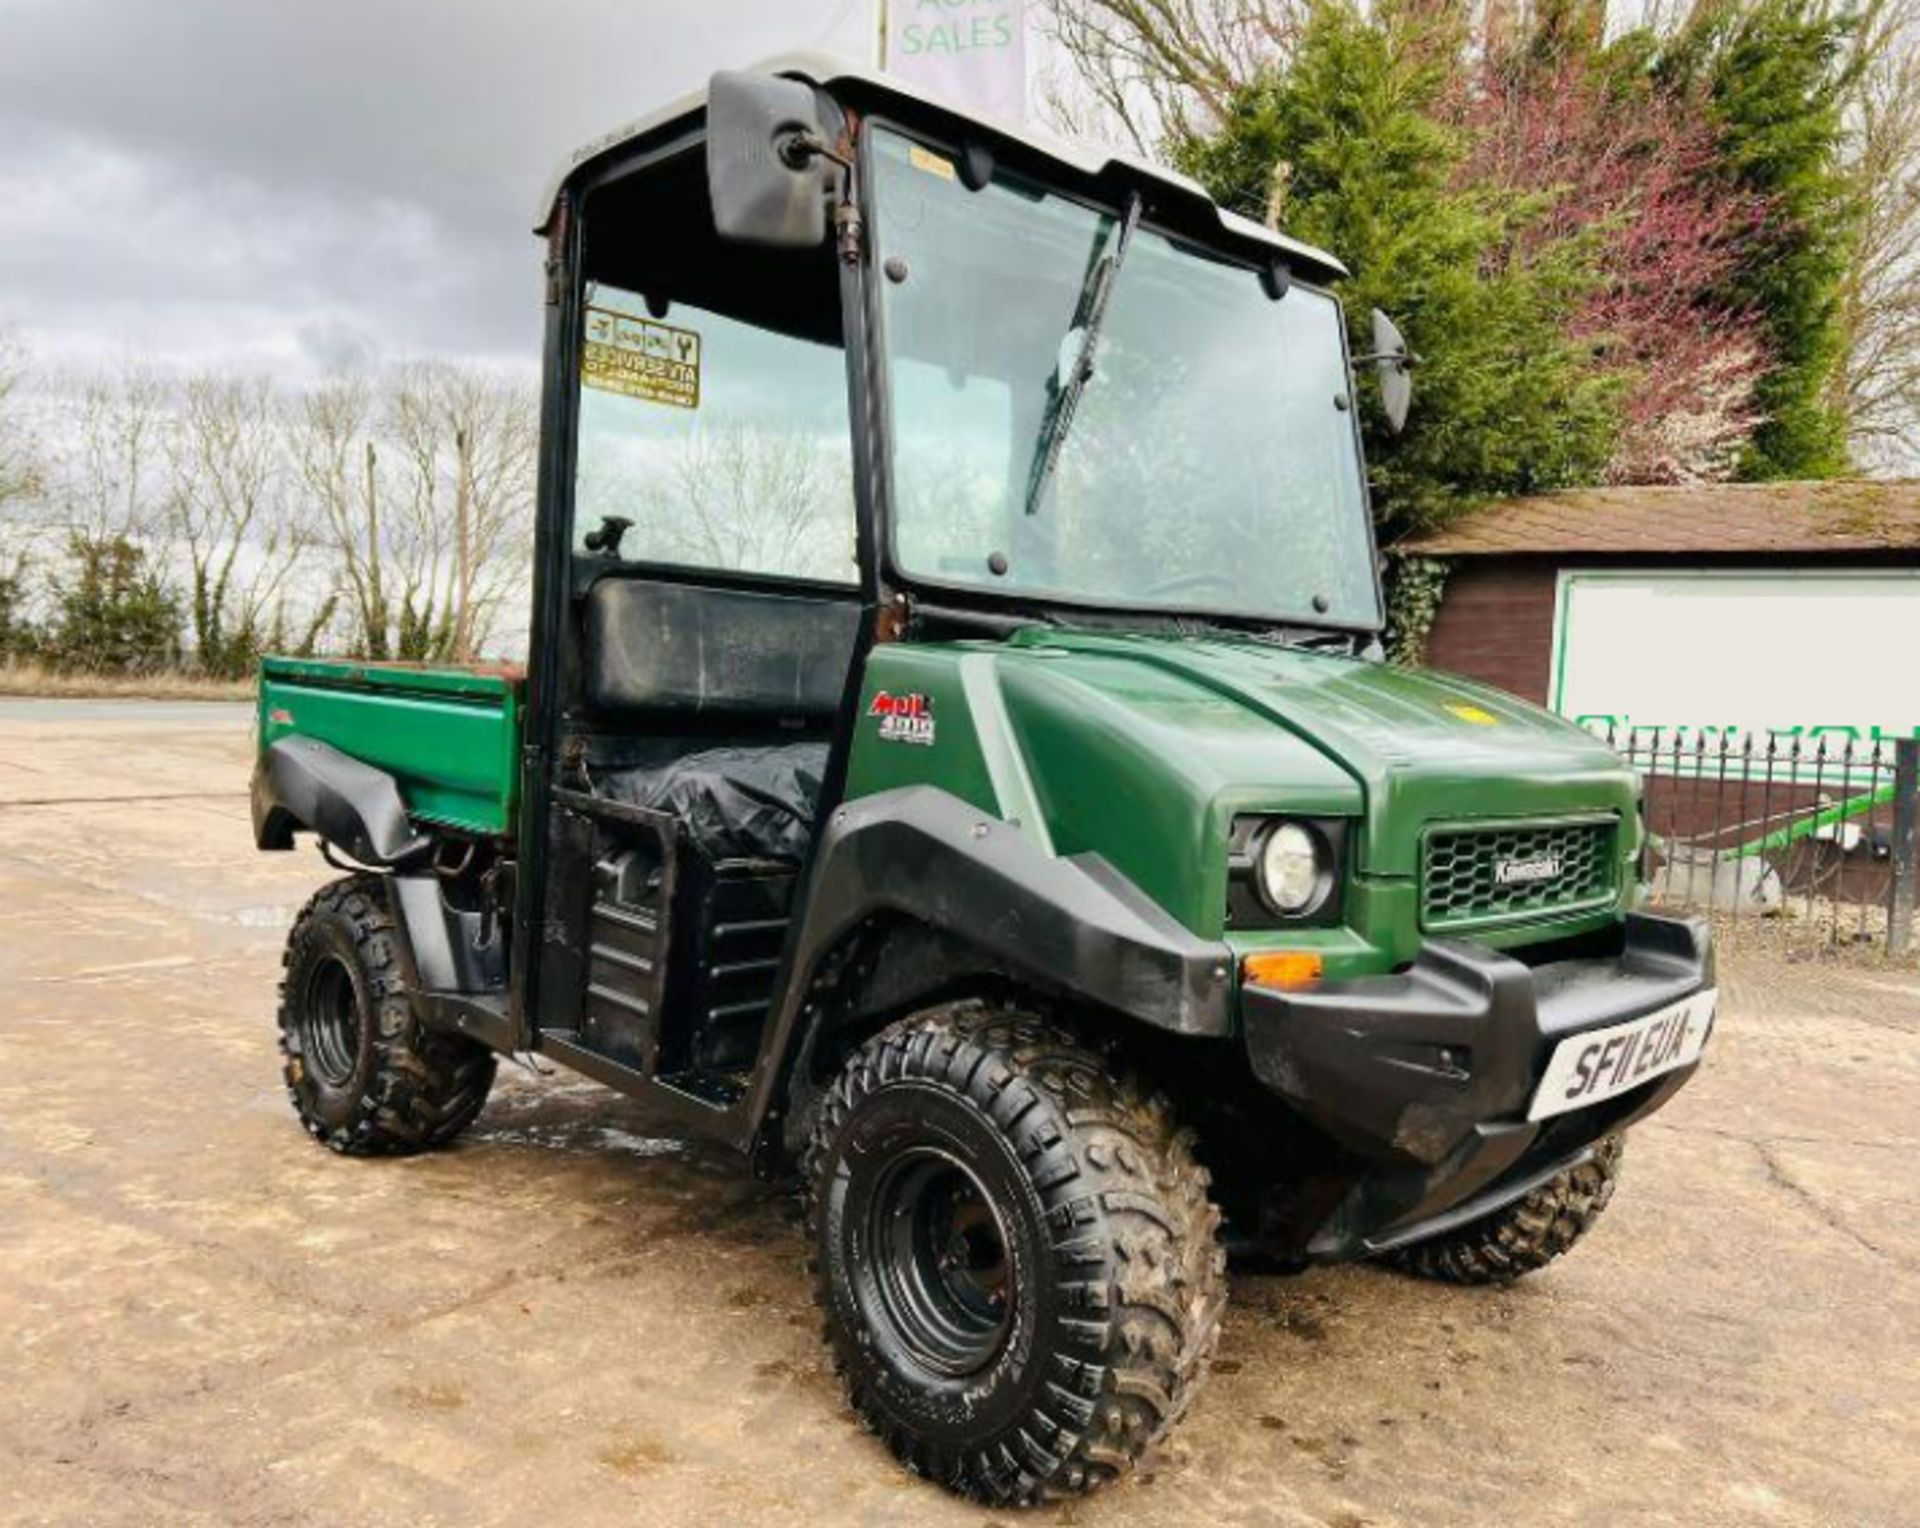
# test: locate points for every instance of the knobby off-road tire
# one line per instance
(1015, 1253)
(365, 1076)
(1526, 1235)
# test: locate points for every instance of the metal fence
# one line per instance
(1809, 839)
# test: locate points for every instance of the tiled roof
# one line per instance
(1710, 519)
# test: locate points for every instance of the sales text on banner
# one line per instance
(973, 52)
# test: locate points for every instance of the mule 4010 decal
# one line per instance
(903, 718)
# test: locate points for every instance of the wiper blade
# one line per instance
(1064, 399)
(1306, 639)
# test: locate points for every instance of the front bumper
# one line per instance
(1423, 1078)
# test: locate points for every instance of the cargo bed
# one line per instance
(449, 736)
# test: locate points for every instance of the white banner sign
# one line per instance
(973, 52)
(1788, 653)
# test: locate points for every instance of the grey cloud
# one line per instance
(291, 184)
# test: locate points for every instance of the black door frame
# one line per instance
(553, 571)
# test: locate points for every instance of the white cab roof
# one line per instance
(826, 70)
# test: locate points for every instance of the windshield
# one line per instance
(1208, 464)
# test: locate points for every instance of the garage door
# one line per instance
(1740, 653)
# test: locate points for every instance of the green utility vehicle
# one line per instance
(956, 767)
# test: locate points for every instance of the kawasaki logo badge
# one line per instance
(1527, 872)
(903, 718)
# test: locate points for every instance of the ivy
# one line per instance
(1415, 586)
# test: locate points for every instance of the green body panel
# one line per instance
(450, 737)
(953, 760)
(1143, 748)
(1139, 748)
(1097, 754)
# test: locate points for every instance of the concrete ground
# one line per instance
(204, 1318)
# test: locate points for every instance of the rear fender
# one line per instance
(301, 784)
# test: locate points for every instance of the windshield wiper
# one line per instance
(1089, 310)
(1307, 639)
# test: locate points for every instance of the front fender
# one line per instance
(1070, 924)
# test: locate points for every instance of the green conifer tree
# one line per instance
(1350, 144)
(1776, 74)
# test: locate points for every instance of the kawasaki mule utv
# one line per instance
(955, 766)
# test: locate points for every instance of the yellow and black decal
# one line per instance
(639, 358)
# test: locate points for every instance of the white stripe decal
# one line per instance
(1006, 764)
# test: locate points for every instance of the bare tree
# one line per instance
(1882, 294)
(113, 482)
(19, 456)
(19, 480)
(228, 515)
(370, 457)
(494, 428)
(468, 441)
(752, 499)
(105, 595)
(333, 446)
(1153, 69)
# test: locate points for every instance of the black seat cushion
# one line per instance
(677, 648)
(751, 802)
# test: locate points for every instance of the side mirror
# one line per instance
(766, 173)
(1395, 364)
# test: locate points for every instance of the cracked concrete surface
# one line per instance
(573, 1319)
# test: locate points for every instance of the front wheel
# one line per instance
(1015, 1254)
(1526, 1235)
(365, 1075)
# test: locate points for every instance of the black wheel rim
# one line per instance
(942, 1279)
(330, 1022)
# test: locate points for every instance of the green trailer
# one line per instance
(956, 768)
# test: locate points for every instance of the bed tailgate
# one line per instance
(449, 736)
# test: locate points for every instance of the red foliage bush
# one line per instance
(1619, 159)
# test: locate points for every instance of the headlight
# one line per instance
(1294, 869)
(1285, 872)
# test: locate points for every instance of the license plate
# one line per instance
(1602, 1063)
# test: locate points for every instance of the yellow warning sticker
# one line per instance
(639, 358)
(932, 163)
(1475, 715)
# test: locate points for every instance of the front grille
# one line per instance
(1507, 872)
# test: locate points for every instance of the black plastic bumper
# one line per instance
(1424, 1077)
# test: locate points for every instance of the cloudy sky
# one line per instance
(290, 185)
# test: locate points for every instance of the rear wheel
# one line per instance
(1015, 1253)
(1526, 1235)
(365, 1076)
